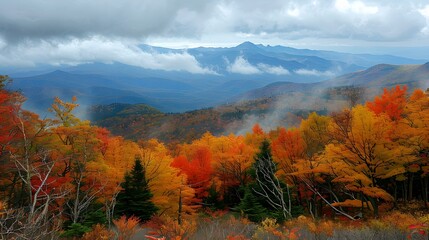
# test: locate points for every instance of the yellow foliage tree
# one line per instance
(362, 153)
(163, 179)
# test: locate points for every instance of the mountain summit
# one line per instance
(247, 45)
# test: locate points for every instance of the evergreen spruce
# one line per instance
(250, 206)
(94, 215)
(264, 153)
(213, 200)
(135, 198)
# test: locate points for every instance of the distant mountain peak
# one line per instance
(246, 45)
(59, 71)
(56, 73)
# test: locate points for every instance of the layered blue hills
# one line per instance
(233, 71)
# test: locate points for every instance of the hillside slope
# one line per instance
(277, 104)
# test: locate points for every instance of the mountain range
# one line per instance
(241, 72)
(372, 79)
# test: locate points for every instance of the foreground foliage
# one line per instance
(65, 177)
(394, 225)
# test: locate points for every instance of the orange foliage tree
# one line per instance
(232, 159)
(413, 132)
(288, 148)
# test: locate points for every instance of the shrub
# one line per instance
(269, 229)
(421, 229)
(225, 228)
(170, 228)
(126, 227)
(76, 230)
(236, 237)
(400, 220)
(99, 232)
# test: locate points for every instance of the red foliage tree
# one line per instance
(391, 103)
(198, 170)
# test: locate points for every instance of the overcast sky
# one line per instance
(73, 32)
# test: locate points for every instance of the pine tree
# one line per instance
(250, 206)
(135, 198)
(213, 200)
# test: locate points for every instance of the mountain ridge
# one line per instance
(378, 76)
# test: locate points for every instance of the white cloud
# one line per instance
(294, 12)
(27, 23)
(3, 43)
(97, 49)
(242, 66)
(276, 70)
(33, 19)
(139, 19)
(336, 20)
(355, 7)
(313, 72)
(425, 12)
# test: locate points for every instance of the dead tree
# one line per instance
(270, 187)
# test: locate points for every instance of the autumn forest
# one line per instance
(359, 168)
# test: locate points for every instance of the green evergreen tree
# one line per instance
(75, 230)
(250, 206)
(264, 154)
(135, 198)
(94, 215)
(213, 200)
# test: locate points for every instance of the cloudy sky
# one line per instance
(71, 32)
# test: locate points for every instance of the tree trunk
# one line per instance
(374, 206)
(395, 195)
(404, 191)
(425, 191)
(410, 187)
(179, 211)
